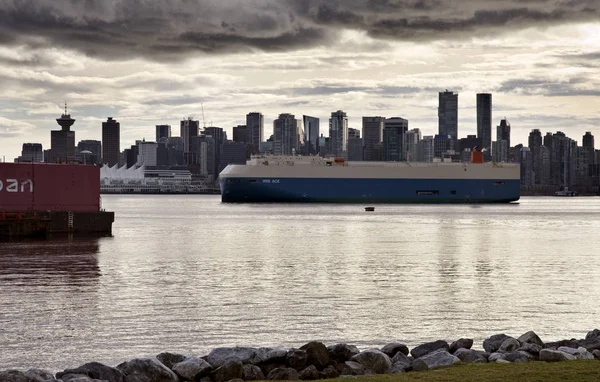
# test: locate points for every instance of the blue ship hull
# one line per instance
(336, 190)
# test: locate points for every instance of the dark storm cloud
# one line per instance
(166, 29)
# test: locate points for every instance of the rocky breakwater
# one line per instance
(315, 361)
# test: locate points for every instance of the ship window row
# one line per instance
(428, 192)
(498, 183)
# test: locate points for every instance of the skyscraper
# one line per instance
(188, 132)
(312, 129)
(503, 132)
(111, 133)
(338, 134)
(163, 131)
(393, 139)
(240, 134)
(286, 131)
(372, 137)
(62, 142)
(255, 125)
(411, 145)
(31, 152)
(448, 114)
(484, 120)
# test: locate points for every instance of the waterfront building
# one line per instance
(588, 144)
(467, 145)
(503, 132)
(188, 130)
(255, 125)
(31, 153)
(312, 129)
(287, 135)
(93, 146)
(426, 149)
(411, 145)
(525, 159)
(62, 142)
(163, 131)
(393, 139)
(500, 151)
(448, 114)
(219, 136)
(535, 143)
(338, 134)
(442, 144)
(147, 154)
(372, 128)
(111, 138)
(484, 121)
(355, 145)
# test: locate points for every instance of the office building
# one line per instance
(484, 120)
(312, 130)
(219, 136)
(255, 126)
(338, 134)
(287, 135)
(111, 133)
(94, 147)
(427, 149)
(147, 154)
(232, 153)
(393, 139)
(373, 137)
(62, 142)
(411, 145)
(355, 145)
(163, 131)
(240, 134)
(503, 132)
(188, 131)
(448, 114)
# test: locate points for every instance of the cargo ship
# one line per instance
(277, 179)
(39, 199)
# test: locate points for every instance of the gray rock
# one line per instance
(510, 344)
(470, 355)
(342, 352)
(374, 360)
(502, 361)
(463, 343)
(531, 348)
(316, 354)
(94, 370)
(39, 374)
(192, 368)
(283, 374)
(170, 359)
(596, 354)
(429, 347)
(296, 359)
(516, 357)
(229, 370)
(146, 369)
(593, 334)
(220, 356)
(352, 368)
(549, 355)
(572, 343)
(579, 353)
(330, 372)
(493, 343)
(531, 338)
(590, 344)
(269, 355)
(494, 357)
(79, 378)
(391, 349)
(252, 373)
(15, 376)
(438, 358)
(401, 361)
(310, 374)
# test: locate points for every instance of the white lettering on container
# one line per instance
(12, 185)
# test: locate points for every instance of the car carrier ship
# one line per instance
(279, 179)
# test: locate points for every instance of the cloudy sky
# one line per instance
(148, 62)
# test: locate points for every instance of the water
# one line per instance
(187, 274)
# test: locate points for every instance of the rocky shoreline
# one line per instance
(315, 361)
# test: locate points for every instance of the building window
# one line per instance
(428, 193)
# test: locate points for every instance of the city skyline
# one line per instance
(539, 60)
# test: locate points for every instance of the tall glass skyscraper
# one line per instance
(484, 120)
(448, 114)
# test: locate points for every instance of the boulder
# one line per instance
(510, 344)
(470, 355)
(296, 359)
(572, 343)
(463, 343)
(15, 376)
(579, 353)
(531, 348)
(590, 344)
(549, 355)
(283, 374)
(316, 354)
(593, 334)
(192, 368)
(374, 360)
(352, 368)
(516, 357)
(330, 372)
(438, 358)
(79, 378)
(596, 354)
(94, 370)
(227, 371)
(310, 374)
(493, 343)
(269, 355)
(220, 356)
(342, 352)
(401, 361)
(252, 373)
(391, 349)
(531, 338)
(170, 359)
(494, 357)
(146, 369)
(429, 347)
(39, 375)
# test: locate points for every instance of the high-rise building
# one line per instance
(373, 137)
(535, 144)
(189, 132)
(163, 131)
(62, 142)
(147, 154)
(500, 151)
(355, 145)
(448, 114)
(484, 120)
(111, 138)
(219, 136)
(93, 146)
(338, 134)
(588, 144)
(411, 145)
(256, 126)
(232, 153)
(240, 134)
(427, 149)
(31, 153)
(312, 129)
(287, 135)
(393, 139)
(503, 132)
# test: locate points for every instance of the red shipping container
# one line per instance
(49, 187)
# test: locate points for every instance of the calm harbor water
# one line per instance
(187, 273)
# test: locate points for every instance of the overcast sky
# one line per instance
(149, 62)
